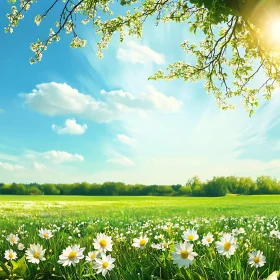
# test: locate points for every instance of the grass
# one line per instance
(78, 219)
(135, 207)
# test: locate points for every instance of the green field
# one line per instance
(243, 224)
(135, 207)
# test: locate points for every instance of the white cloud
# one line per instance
(9, 157)
(121, 160)
(39, 166)
(126, 140)
(11, 167)
(136, 53)
(71, 127)
(60, 156)
(54, 156)
(161, 101)
(60, 99)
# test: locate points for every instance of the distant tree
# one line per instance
(267, 185)
(232, 184)
(185, 191)
(216, 187)
(246, 186)
(176, 188)
(50, 189)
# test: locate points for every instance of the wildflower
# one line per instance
(45, 233)
(273, 276)
(35, 253)
(20, 246)
(183, 255)
(10, 255)
(207, 239)
(103, 243)
(227, 245)
(91, 256)
(13, 238)
(104, 264)
(256, 259)
(190, 235)
(71, 255)
(140, 242)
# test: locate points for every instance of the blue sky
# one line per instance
(75, 117)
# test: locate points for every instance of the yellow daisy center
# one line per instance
(184, 254)
(72, 255)
(165, 245)
(36, 255)
(13, 239)
(46, 235)
(208, 239)
(103, 242)
(191, 237)
(105, 264)
(227, 246)
(256, 259)
(92, 256)
(142, 242)
(11, 255)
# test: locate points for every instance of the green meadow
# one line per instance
(156, 238)
(119, 207)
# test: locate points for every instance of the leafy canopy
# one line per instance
(238, 55)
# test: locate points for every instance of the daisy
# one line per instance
(13, 238)
(35, 253)
(256, 259)
(164, 245)
(71, 255)
(103, 243)
(140, 242)
(45, 233)
(104, 264)
(273, 276)
(183, 255)
(20, 246)
(227, 245)
(190, 235)
(91, 256)
(207, 239)
(10, 255)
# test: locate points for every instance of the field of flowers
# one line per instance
(51, 246)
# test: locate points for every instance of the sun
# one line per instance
(274, 31)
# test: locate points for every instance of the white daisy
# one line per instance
(45, 233)
(10, 255)
(207, 239)
(35, 253)
(104, 264)
(190, 235)
(256, 259)
(20, 246)
(227, 245)
(140, 242)
(13, 238)
(273, 276)
(183, 255)
(91, 256)
(71, 255)
(103, 243)
(164, 245)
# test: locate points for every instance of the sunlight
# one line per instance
(274, 31)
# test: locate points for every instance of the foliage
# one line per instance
(235, 48)
(218, 186)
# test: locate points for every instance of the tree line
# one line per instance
(218, 186)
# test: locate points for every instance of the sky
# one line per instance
(74, 117)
